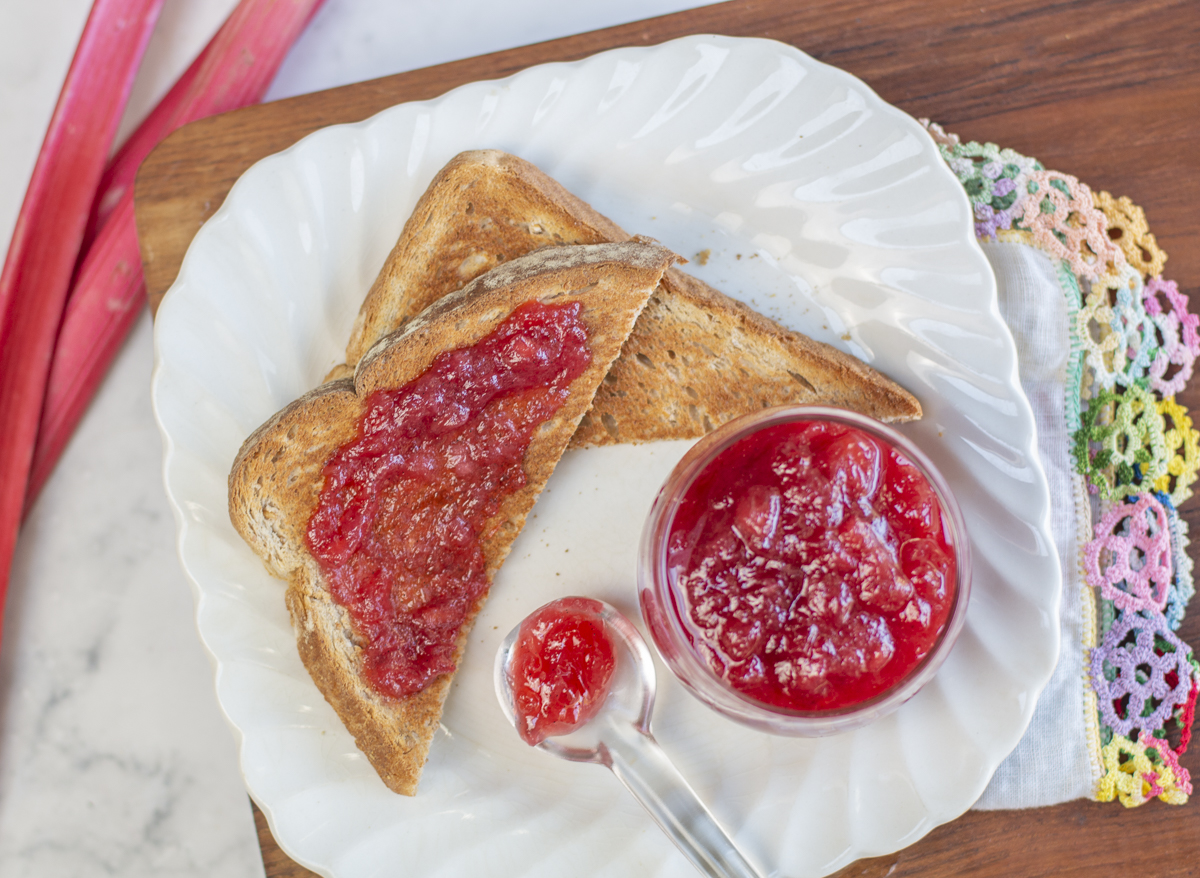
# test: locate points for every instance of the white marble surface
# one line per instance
(114, 758)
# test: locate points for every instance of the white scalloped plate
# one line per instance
(812, 200)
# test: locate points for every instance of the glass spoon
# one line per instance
(619, 737)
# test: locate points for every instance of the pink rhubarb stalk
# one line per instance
(122, 169)
(45, 243)
(234, 71)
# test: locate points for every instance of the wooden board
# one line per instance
(1108, 91)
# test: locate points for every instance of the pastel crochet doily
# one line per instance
(1135, 450)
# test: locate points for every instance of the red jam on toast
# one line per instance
(404, 507)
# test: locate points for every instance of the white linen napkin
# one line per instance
(1051, 764)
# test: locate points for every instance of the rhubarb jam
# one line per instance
(403, 509)
(813, 566)
(561, 668)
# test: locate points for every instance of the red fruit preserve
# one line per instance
(404, 507)
(561, 668)
(814, 565)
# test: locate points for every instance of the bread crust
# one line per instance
(485, 207)
(276, 478)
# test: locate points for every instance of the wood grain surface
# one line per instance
(1106, 90)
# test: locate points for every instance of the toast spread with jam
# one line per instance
(387, 501)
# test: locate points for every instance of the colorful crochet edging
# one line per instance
(1134, 345)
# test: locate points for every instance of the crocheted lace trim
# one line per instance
(1136, 453)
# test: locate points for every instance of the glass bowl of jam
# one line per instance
(804, 570)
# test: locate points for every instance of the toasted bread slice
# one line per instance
(276, 479)
(696, 359)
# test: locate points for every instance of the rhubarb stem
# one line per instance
(234, 70)
(45, 243)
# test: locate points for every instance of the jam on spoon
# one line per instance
(561, 669)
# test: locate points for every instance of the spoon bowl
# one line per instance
(630, 698)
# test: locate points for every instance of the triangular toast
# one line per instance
(696, 358)
(277, 478)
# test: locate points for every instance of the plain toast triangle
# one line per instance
(696, 359)
(276, 479)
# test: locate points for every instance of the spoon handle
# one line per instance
(640, 763)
